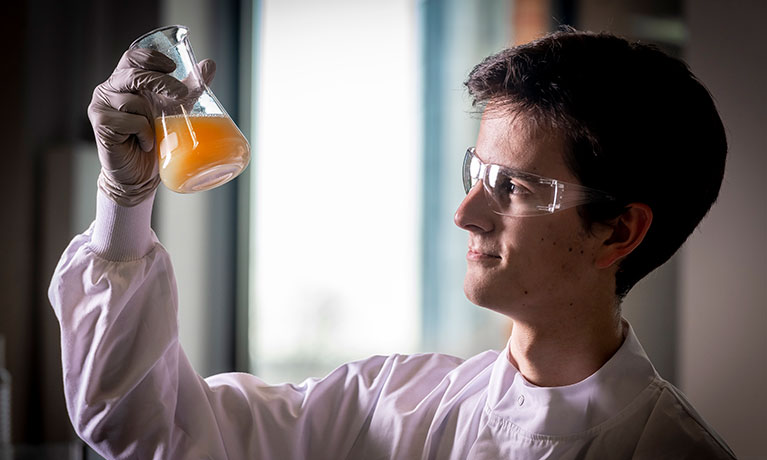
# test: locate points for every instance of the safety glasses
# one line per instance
(515, 193)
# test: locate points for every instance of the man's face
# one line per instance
(525, 267)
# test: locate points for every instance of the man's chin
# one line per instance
(490, 294)
(479, 293)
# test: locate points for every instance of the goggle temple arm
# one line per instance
(576, 195)
(556, 199)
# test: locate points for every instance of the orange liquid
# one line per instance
(199, 152)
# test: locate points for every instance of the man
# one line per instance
(579, 185)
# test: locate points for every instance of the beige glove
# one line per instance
(122, 114)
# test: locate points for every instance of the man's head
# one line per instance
(632, 121)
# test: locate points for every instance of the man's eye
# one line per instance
(507, 186)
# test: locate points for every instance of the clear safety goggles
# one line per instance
(515, 193)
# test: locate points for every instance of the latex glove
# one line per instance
(122, 113)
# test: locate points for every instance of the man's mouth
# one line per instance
(479, 254)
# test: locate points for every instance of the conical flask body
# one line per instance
(198, 145)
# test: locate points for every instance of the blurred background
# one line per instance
(338, 241)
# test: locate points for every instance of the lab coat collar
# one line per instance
(573, 408)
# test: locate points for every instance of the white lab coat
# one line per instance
(131, 392)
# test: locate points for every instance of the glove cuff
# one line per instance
(127, 195)
(122, 233)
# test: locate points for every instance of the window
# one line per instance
(336, 186)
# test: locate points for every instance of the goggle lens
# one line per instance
(518, 193)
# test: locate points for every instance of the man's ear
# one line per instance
(628, 230)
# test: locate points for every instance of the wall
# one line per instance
(723, 285)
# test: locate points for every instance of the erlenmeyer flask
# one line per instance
(198, 144)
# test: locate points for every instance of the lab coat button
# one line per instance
(521, 399)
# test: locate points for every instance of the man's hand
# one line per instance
(122, 114)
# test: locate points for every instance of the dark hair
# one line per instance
(638, 123)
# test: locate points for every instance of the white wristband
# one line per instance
(122, 233)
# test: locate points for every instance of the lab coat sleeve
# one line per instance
(132, 393)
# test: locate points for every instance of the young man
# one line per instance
(578, 186)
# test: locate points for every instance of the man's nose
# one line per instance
(473, 214)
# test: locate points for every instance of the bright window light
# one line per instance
(336, 186)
